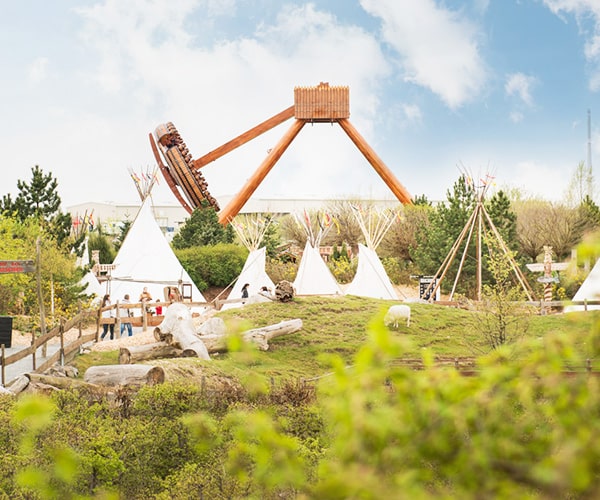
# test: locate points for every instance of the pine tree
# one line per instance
(203, 228)
(39, 199)
(446, 222)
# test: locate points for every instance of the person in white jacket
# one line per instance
(109, 313)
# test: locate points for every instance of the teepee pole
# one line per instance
(518, 273)
(479, 257)
(463, 258)
(443, 269)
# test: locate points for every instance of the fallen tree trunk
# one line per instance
(261, 336)
(59, 382)
(178, 323)
(136, 353)
(19, 384)
(114, 375)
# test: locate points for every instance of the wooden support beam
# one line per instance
(235, 205)
(384, 172)
(241, 139)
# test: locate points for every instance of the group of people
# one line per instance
(125, 313)
(263, 291)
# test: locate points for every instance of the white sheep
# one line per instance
(395, 314)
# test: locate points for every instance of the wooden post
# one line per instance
(239, 200)
(384, 172)
(3, 366)
(38, 278)
(61, 330)
(144, 317)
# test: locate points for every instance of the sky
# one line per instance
(497, 88)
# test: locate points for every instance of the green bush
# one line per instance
(213, 265)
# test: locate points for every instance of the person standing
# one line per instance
(158, 308)
(126, 317)
(106, 315)
(145, 295)
(245, 291)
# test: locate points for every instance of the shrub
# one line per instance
(213, 265)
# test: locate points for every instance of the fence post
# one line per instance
(144, 317)
(61, 330)
(117, 320)
(80, 321)
(3, 365)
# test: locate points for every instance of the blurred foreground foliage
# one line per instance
(520, 428)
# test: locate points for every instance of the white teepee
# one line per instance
(589, 290)
(314, 277)
(145, 259)
(370, 279)
(92, 285)
(251, 230)
(254, 274)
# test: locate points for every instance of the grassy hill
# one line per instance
(340, 325)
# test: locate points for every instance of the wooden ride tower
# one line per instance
(311, 105)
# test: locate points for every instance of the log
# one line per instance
(114, 375)
(261, 336)
(59, 382)
(136, 353)
(214, 343)
(178, 322)
(18, 385)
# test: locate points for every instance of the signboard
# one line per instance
(425, 282)
(16, 266)
(548, 279)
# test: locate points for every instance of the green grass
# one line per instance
(340, 325)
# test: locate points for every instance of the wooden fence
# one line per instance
(143, 319)
(65, 349)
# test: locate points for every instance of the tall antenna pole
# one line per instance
(589, 155)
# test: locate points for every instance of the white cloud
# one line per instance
(439, 49)
(532, 178)
(215, 91)
(519, 84)
(37, 71)
(584, 10)
(516, 116)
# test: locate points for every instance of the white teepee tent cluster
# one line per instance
(145, 259)
(370, 279)
(251, 230)
(314, 277)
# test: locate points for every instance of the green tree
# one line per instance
(446, 222)
(99, 241)
(589, 216)
(503, 315)
(123, 230)
(39, 199)
(500, 211)
(203, 228)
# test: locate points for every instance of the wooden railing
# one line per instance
(59, 356)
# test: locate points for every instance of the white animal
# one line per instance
(396, 314)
